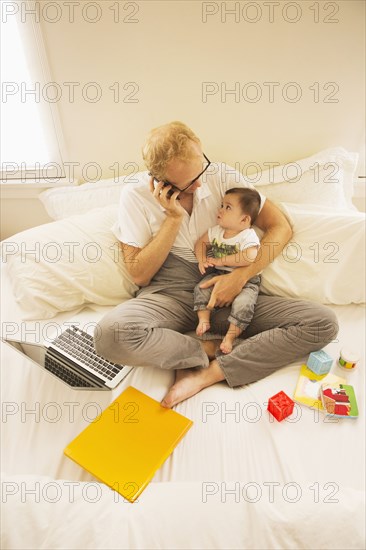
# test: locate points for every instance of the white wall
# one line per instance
(168, 50)
(20, 210)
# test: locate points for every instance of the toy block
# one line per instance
(280, 406)
(319, 362)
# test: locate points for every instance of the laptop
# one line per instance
(127, 443)
(71, 357)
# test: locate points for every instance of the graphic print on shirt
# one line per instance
(220, 250)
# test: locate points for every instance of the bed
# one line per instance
(238, 479)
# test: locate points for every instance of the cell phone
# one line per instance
(165, 184)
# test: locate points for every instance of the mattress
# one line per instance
(238, 479)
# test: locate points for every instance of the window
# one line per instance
(30, 133)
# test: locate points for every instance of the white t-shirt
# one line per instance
(141, 216)
(222, 246)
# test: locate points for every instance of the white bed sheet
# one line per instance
(305, 456)
(174, 516)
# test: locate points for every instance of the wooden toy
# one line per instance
(280, 406)
(319, 362)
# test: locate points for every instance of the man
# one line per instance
(159, 222)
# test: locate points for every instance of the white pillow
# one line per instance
(325, 178)
(61, 202)
(76, 261)
(325, 259)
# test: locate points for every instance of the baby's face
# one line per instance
(230, 215)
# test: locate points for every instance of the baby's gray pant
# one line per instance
(242, 308)
(148, 331)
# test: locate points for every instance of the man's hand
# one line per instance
(148, 259)
(171, 204)
(226, 288)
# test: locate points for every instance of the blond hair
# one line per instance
(168, 142)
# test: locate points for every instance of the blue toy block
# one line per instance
(319, 362)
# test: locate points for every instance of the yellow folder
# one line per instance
(125, 445)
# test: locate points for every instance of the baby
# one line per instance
(234, 244)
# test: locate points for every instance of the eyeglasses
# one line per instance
(174, 188)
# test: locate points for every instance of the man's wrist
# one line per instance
(174, 215)
(240, 275)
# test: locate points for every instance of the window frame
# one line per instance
(34, 46)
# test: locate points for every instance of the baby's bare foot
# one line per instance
(226, 345)
(202, 327)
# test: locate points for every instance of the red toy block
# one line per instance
(280, 406)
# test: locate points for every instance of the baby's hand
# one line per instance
(202, 266)
(215, 262)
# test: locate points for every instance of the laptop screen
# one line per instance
(35, 352)
(72, 359)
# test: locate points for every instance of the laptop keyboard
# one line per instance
(65, 374)
(80, 346)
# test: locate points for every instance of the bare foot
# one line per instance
(202, 327)
(226, 345)
(188, 382)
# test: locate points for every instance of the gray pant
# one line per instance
(242, 308)
(149, 330)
